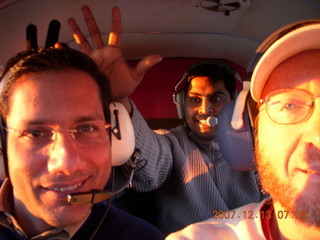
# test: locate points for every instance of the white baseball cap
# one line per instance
(281, 45)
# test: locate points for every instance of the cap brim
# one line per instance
(306, 37)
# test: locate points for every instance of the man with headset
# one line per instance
(56, 150)
(285, 86)
(184, 164)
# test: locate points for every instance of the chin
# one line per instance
(69, 215)
(303, 203)
(310, 204)
(208, 133)
(206, 136)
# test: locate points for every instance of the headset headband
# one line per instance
(180, 89)
(215, 62)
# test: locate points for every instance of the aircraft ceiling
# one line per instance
(172, 28)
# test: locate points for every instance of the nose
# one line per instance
(64, 155)
(206, 106)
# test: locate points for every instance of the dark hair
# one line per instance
(216, 71)
(51, 59)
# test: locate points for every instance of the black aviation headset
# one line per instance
(180, 90)
(236, 131)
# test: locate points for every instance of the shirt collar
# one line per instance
(7, 219)
(204, 144)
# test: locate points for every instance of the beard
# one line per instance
(304, 208)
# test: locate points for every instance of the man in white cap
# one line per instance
(285, 86)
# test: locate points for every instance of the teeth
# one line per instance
(203, 121)
(69, 188)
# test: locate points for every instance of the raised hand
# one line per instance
(124, 79)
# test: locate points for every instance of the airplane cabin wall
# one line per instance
(153, 96)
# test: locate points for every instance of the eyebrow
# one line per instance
(214, 93)
(45, 121)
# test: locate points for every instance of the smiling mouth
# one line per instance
(210, 121)
(202, 120)
(311, 171)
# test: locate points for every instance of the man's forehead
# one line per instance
(55, 96)
(203, 82)
(49, 78)
(299, 71)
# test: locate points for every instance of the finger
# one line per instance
(31, 37)
(92, 27)
(53, 33)
(60, 45)
(115, 33)
(79, 37)
(145, 64)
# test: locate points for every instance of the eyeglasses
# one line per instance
(289, 106)
(86, 134)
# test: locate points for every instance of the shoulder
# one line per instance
(122, 217)
(241, 223)
(177, 131)
(121, 225)
(8, 234)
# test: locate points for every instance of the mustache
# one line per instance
(61, 177)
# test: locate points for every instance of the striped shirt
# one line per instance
(190, 176)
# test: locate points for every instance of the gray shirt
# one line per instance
(191, 176)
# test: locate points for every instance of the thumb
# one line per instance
(145, 64)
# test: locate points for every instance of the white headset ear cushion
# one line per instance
(121, 149)
(178, 105)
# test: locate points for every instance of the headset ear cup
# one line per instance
(236, 145)
(235, 95)
(3, 153)
(2, 166)
(178, 105)
(123, 148)
(180, 102)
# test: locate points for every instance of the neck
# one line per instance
(287, 226)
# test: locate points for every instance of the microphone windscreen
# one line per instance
(53, 33)
(212, 121)
(31, 37)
